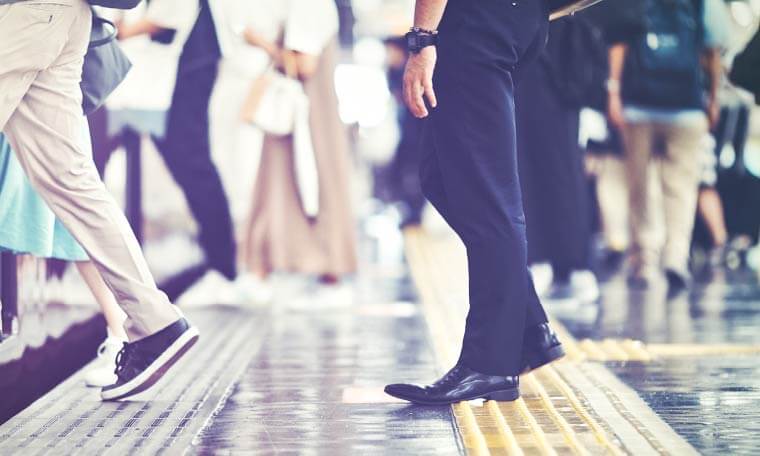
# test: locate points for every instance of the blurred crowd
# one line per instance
(633, 140)
(238, 99)
(634, 146)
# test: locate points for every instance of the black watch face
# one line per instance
(412, 42)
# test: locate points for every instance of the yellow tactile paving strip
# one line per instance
(634, 350)
(552, 417)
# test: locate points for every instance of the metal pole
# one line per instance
(8, 292)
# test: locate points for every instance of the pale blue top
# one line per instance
(27, 225)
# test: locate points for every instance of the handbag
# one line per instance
(274, 99)
(278, 105)
(105, 65)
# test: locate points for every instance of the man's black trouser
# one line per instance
(469, 171)
(187, 153)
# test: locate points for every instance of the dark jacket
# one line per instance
(746, 69)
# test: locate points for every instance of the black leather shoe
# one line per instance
(459, 384)
(541, 346)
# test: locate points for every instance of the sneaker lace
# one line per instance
(122, 358)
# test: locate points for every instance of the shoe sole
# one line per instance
(91, 384)
(507, 395)
(544, 358)
(156, 369)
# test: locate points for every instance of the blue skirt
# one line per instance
(27, 225)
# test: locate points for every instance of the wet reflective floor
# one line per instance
(308, 379)
(713, 400)
(714, 403)
(316, 385)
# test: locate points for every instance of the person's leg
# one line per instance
(638, 140)
(186, 150)
(612, 197)
(473, 130)
(44, 130)
(438, 191)
(114, 315)
(434, 190)
(680, 187)
(102, 374)
(711, 211)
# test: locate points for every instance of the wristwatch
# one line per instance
(418, 38)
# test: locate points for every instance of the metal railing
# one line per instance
(8, 293)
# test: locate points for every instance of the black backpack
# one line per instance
(663, 65)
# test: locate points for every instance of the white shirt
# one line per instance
(224, 34)
(150, 83)
(301, 25)
(310, 25)
(265, 17)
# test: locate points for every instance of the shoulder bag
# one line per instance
(105, 65)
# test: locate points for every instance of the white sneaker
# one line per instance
(212, 289)
(103, 373)
(584, 286)
(326, 297)
(543, 276)
(252, 291)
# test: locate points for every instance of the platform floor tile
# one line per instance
(71, 419)
(316, 386)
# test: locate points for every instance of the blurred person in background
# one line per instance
(657, 100)
(608, 169)
(739, 187)
(29, 227)
(403, 181)
(615, 19)
(300, 37)
(710, 211)
(236, 143)
(744, 72)
(185, 146)
(569, 75)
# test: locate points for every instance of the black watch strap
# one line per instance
(418, 39)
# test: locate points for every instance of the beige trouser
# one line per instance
(612, 197)
(672, 199)
(42, 46)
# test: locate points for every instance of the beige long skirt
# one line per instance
(279, 236)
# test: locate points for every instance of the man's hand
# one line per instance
(418, 81)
